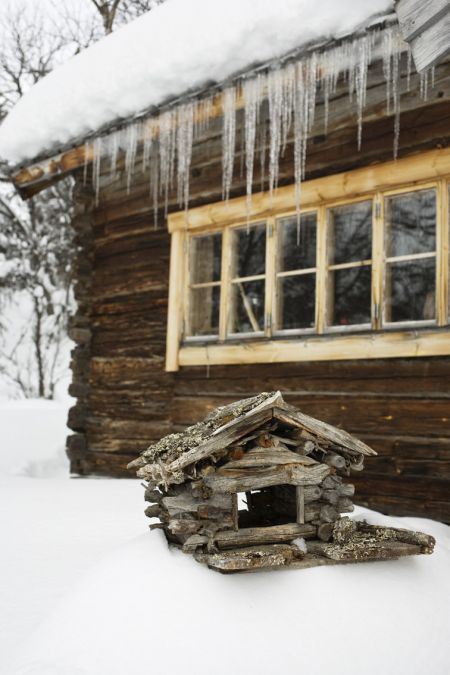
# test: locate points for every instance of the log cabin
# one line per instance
(246, 487)
(262, 204)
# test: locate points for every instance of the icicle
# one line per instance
(130, 152)
(228, 139)
(154, 181)
(396, 99)
(387, 67)
(185, 133)
(408, 68)
(262, 152)
(97, 150)
(364, 58)
(299, 133)
(252, 99)
(165, 156)
(274, 103)
(275, 96)
(111, 145)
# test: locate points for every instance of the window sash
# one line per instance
(378, 264)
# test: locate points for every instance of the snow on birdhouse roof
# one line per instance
(174, 50)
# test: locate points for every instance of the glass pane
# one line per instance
(206, 256)
(204, 310)
(247, 307)
(297, 302)
(297, 243)
(411, 223)
(249, 251)
(350, 296)
(411, 290)
(350, 233)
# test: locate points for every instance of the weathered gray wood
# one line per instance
(300, 493)
(259, 478)
(153, 511)
(425, 541)
(326, 431)
(379, 550)
(345, 505)
(263, 535)
(325, 531)
(184, 526)
(415, 16)
(432, 44)
(257, 456)
(153, 496)
(194, 542)
(312, 493)
(227, 435)
(189, 504)
(333, 459)
(331, 496)
(346, 490)
(252, 557)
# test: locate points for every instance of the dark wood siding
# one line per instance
(126, 400)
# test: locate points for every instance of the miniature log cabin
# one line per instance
(242, 488)
(274, 217)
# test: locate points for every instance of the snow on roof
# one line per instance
(178, 47)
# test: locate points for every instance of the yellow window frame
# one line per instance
(426, 170)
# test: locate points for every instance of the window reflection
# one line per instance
(411, 290)
(411, 223)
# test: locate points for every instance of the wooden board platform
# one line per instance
(362, 543)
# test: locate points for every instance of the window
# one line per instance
(361, 261)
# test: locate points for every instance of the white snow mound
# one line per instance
(178, 46)
(146, 609)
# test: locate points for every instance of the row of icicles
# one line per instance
(290, 91)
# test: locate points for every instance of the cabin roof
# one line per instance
(227, 424)
(172, 52)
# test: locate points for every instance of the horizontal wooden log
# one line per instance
(386, 550)
(153, 511)
(185, 503)
(264, 457)
(252, 558)
(263, 535)
(260, 478)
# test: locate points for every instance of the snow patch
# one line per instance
(33, 436)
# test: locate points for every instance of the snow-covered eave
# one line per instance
(36, 174)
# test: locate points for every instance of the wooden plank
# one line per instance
(415, 16)
(387, 345)
(432, 45)
(174, 314)
(300, 493)
(259, 478)
(275, 534)
(347, 185)
(323, 430)
(228, 433)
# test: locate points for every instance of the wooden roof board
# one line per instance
(322, 429)
(415, 16)
(425, 25)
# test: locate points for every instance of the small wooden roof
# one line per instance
(177, 453)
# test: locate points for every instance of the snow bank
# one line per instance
(33, 436)
(147, 609)
(176, 47)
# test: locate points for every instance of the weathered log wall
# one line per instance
(400, 407)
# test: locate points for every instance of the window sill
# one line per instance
(383, 345)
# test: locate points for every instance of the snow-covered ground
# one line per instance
(85, 589)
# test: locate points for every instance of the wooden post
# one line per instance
(300, 504)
